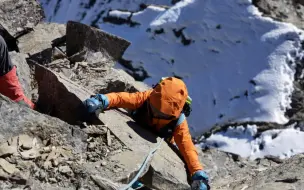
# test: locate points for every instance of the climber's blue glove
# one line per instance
(200, 181)
(96, 102)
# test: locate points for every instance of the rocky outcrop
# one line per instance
(287, 11)
(116, 80)
(19, 17)
(23, 71)
(59, 96)
(41, 38)
(166, 170)
(65, 102)
(42, 152)
(229, 171)
(289, 175)
(94, 40)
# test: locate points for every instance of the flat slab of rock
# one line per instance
(168, 170)
(93, 39)
(19, 16)
(8, 167)
(6, 150)
(65, 99)
(41, 38)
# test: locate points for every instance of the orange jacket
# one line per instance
(181, 135)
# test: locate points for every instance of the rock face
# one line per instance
(46, 153)
(18, 17)
(94, 40)
(65, 101)
(59, 96)
(116, 80)
(166, 171)
(228, 171)
(284, 10)
(41, 38)
(288, 175)
(23, 71)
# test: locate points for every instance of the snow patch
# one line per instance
(120, 14)
(241, 141)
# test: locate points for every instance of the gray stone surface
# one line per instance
(41, 38)
(229, 171)
(56, 141)
(166, 170)
(64, 103)
(94, 40)
(16, 119)
(289, 175)
(116, 80)
(291, 11)
(59, 96)
(23, 71)
(20, 16)
(96, 76)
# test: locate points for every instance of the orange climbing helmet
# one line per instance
(170, 96)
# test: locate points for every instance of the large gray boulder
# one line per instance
(94, 40)
(23, 71)
(41, 38)
(27, 138)
(58, 96)
(287, 11)
(41, 152)
(19, 16)
(288, 175)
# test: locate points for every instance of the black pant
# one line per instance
(5, 60)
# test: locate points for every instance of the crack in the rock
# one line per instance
(288, 180)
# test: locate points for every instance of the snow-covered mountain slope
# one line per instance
(238, 65)
(246, 142)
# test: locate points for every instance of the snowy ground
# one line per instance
(238, 65)
(239, 140)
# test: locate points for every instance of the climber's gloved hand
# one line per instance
(200, 181)
(95, 102)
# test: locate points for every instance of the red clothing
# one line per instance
(10, 87)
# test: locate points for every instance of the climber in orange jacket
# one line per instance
(9, 82)
(162, 109)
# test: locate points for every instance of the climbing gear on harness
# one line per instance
(200, 181)
(143, 115)
(144, 165)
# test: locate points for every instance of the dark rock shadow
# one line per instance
(143, 132)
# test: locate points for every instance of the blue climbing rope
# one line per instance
(143, 166)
